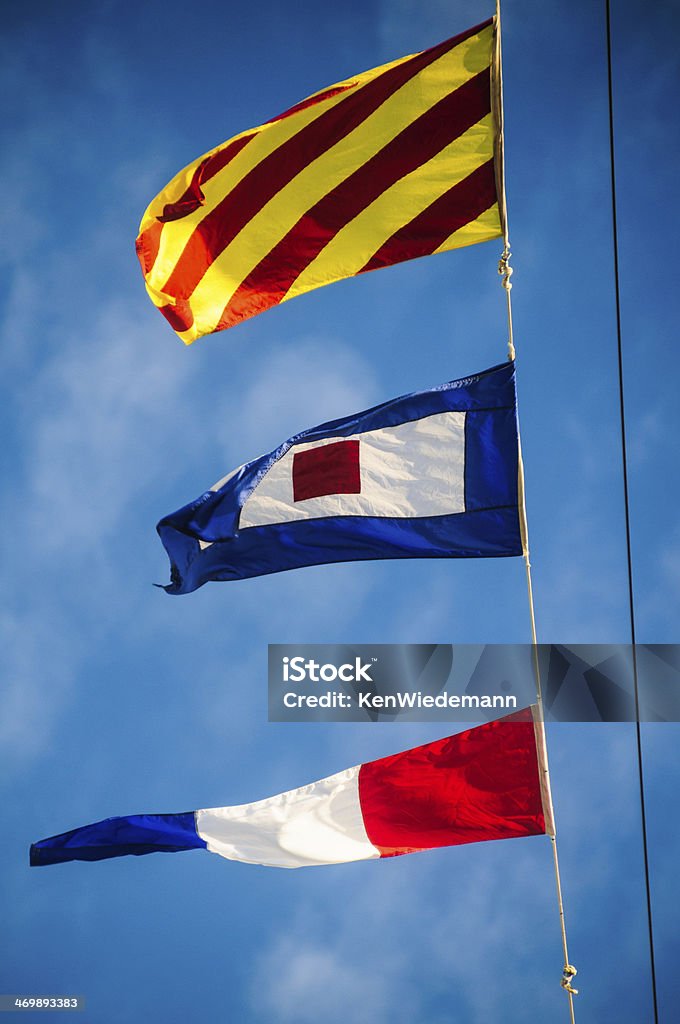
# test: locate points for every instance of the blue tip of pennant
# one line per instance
(135, 834)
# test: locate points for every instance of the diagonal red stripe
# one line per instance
(147, 246)
(221, 225)
(148, 242)
(311, 101)
(462, 204)
(193, 196)
(414, 146)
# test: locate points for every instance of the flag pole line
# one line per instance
(568, 971)
(505, 271)
(624, 463)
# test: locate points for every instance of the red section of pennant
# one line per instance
(480, 784)
(329, 469)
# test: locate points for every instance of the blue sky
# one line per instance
(118, 699)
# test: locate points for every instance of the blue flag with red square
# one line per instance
(433, 474)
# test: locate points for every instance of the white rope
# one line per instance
(505, 270)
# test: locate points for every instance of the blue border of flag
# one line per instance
(489, 526)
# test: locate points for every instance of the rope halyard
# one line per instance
(568, 971)
(505, 272)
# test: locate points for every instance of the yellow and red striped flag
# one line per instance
(398, 162)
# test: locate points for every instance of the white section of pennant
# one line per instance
(409, 470)
(317, 824)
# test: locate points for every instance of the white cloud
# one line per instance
(400, 933)
(95, 419)
(37, 681)
(109, 420)
(318, 981)
(302, 383)
(98, 426)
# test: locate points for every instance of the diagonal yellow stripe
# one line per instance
(352, 247)
(177, 233)
(483, 229)
(283, 211)
(267, 138)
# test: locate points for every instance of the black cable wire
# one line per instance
(624, 459)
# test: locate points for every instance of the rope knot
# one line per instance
(568, 973)
(505, 270)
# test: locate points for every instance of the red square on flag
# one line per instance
(329, 469)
